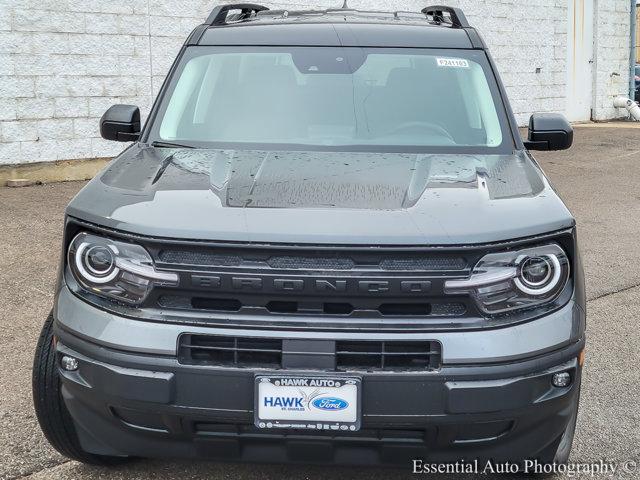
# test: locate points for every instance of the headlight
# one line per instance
(507, 281)
(118, 270)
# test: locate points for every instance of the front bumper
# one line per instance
(152, 406)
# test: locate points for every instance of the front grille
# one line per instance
(389, 355)
(370, 307)
(188, 257)
(325, 287)
(310, 263)
(425, 264)
(316, 261)
(390, 435)
(230, 351)
(365, 355)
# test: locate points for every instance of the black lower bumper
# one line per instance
(140, 405)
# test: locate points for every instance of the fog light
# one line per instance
(70, 364)
(562, 379)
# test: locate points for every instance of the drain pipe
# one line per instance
(621, 101)
(631, 106)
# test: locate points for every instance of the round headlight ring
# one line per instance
(99, 260)
(530, 262)
(88, 272)
(547, 284)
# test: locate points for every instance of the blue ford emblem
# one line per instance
(330, 403)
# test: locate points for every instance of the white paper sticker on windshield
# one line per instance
(453, 62)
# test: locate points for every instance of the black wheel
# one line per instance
(53, 416)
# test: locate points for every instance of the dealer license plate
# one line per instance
(314, 403)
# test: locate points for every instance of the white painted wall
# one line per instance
(611, 52)
(580, 59)
(63, 62)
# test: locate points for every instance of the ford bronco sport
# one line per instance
(328, 243)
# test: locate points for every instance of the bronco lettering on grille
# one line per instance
(223, 282)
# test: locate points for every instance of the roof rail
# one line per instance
(218, 15)
(455, 15)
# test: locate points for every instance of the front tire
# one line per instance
(53, 416)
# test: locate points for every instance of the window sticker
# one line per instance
(453, 62)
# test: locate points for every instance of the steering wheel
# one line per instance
(417, 126)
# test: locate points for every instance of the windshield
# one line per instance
(333, 98)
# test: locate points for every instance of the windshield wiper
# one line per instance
(169, 145)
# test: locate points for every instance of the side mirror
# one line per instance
(549, 131)
(121, 123)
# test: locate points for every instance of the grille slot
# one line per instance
(311, 263)
(423, 264)
(425, 355)
(372, 435)
(408, 309)
(282, 307)
(334, 308)
(219, 304)
(405, 309)
(350, 355)
(188, 257)
(230, 351)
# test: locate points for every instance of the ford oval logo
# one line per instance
(330, 403)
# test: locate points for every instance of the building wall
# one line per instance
(612, 44)
(528, 43)
(64, 62)
(637, 45)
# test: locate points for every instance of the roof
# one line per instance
(334, 27)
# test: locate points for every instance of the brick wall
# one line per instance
(611, 57)
(528, 43)
(64, 62)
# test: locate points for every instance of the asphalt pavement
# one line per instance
(599, 179)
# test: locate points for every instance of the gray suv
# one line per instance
(327, 243)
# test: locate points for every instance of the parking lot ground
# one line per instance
(599, 178)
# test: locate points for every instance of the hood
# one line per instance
(322, 197)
